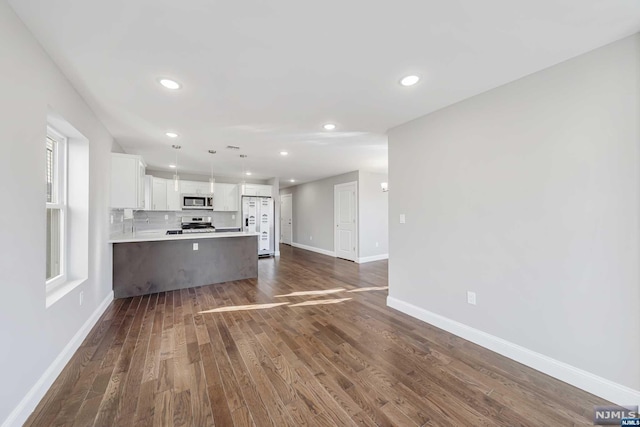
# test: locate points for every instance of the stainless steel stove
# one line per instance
(197, 224)
(194, 224)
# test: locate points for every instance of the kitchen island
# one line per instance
(150, 262)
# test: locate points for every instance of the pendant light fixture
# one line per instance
(176, 177)
(212, 181)
(242, 181)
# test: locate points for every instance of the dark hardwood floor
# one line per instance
(309, 343)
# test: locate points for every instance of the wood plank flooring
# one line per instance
(311, 342)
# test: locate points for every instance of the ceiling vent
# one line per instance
(232, 147)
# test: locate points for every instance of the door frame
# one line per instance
(290, 196)
(335, 219)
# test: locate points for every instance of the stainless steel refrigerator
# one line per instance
(257, 216)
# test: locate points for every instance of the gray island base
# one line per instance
(146, 267)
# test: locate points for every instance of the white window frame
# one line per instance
(60, 178)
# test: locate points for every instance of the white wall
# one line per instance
(313, 211)
(529, 195)
(32, 336)
(373, 215)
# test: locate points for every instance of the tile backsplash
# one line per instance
(164, 220)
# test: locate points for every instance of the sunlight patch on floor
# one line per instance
(243, 307)
(320, 302)
(308, 293)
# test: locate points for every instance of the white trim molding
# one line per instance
(362, 260)
(602, 387)
(313, 249)
(19, 415)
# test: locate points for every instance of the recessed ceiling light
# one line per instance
(284, 153)
(248, 173)
(172, 166)
(329, 126)
(292, 180)
(409, 80)
(171, 134)
(170, 84)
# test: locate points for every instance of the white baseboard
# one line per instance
(19, 415)
(277, 253)
(606, 389)
(362, 260)
(313, 249)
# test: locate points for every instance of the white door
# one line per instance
(346, 225)
(286, 218)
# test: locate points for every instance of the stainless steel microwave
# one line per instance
(197, 201)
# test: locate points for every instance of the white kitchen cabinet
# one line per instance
(127, 181)
(148, 192)
(225, 198)
(174, 201)
(187, 187)
(159, 198)
(257, 190)
(203, 188)
(195, 187)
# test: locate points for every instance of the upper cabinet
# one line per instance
(226, 197)
(195, 187)
(162, 194)
(159, 194)
(127, 181)
(174, 202)
(257, 190)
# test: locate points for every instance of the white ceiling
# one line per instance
(266, 75)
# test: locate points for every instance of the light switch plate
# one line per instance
(195, 246)
(471, 297)
(403, 219)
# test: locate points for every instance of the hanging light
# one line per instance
(212, 181)
(242, 181)
(176, 177)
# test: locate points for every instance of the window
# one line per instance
(56, 175)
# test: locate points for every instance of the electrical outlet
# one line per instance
(121, 218)
(403, 219)
(111, 219)
(233, 216)
(377, 244)
(310, 237)
(195, 246)
(471, 297)
(81, 297)
(166, 217)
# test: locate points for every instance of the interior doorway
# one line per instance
(346, 220)
(286, 219)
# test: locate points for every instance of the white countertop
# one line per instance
(161, 235)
